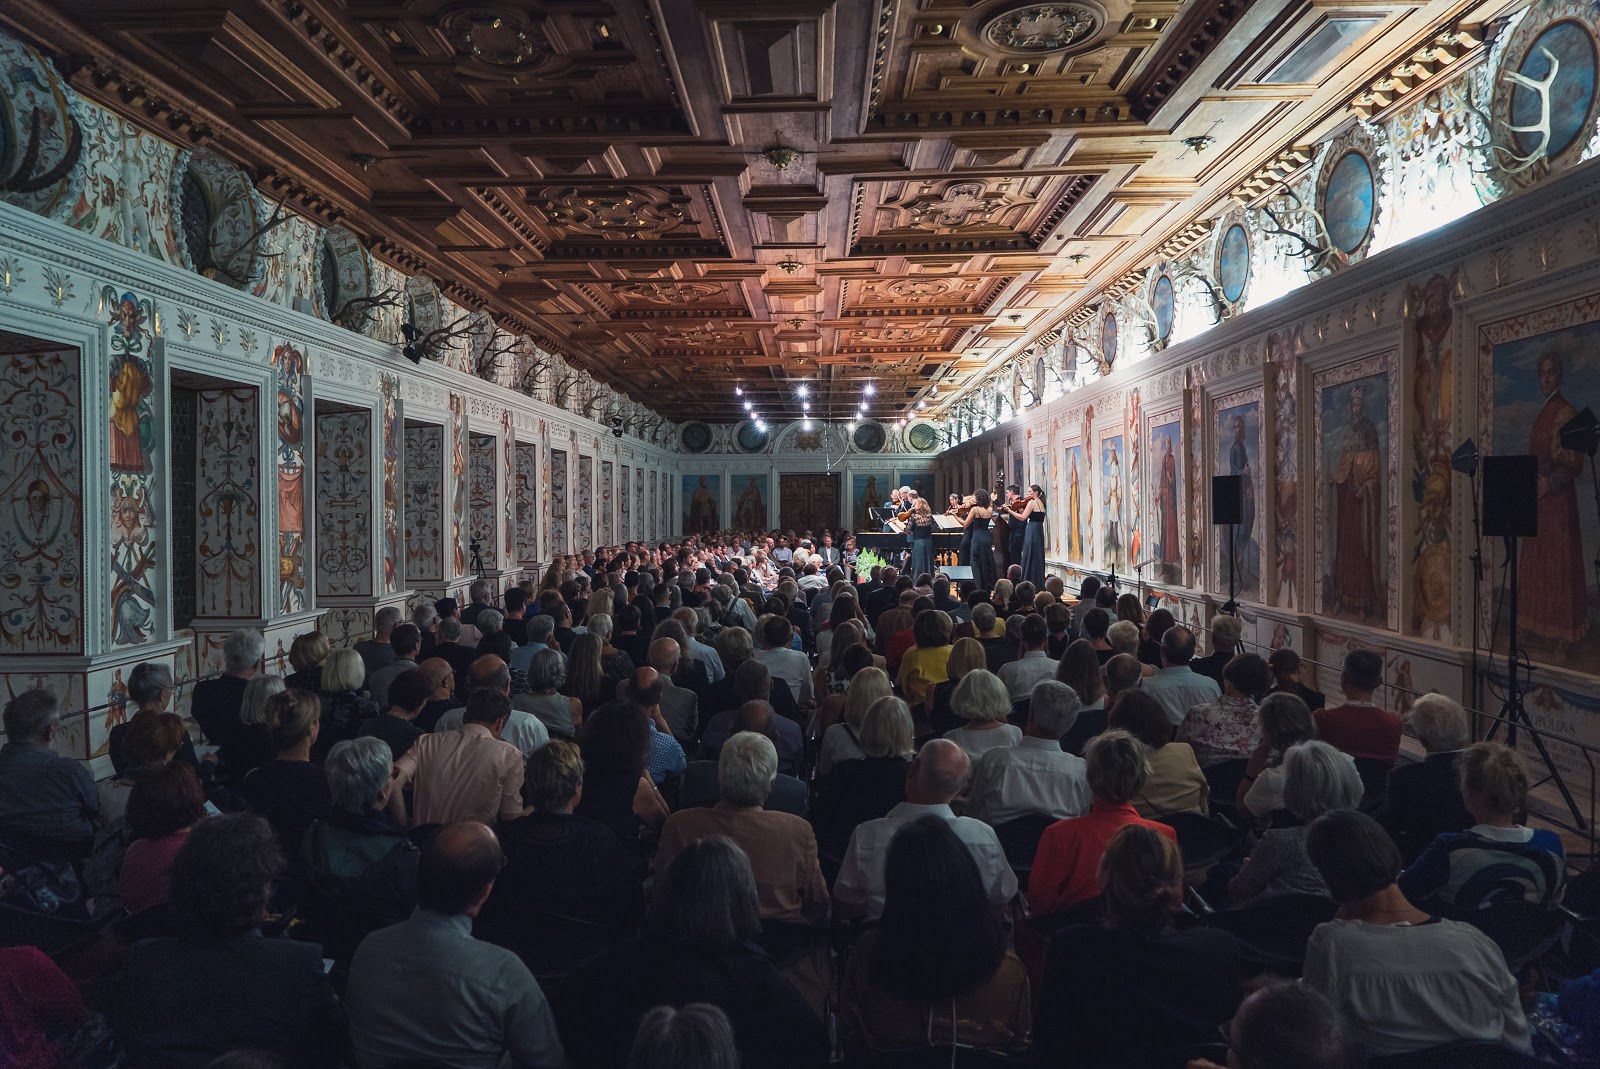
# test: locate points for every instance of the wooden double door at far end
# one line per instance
(808, 502)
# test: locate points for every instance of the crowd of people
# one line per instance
(724, 803)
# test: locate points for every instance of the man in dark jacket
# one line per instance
(1424, 797)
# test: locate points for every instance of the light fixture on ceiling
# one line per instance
(1078, 257)
(796, 323)
(922, 404)
(504, 269)
(1199, 142)
(789, 267)
(780, 155)
(363, 160)
(738, 391)
(933, 391)
(803, 390)
(749, 406)
(1015, 317)
(805, 424)
(870, 389)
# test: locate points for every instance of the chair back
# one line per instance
(1224, 778)
(1019, 838)
(1273, 933)
(1202, 841)
(1470, 1054)
(1374, 782)
(1523, 931)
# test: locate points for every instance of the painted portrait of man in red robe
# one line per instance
(1554, 587)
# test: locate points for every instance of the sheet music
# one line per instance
(946, 523)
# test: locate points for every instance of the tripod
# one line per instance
(1231, 606)
(1512, 711)
(476, 563)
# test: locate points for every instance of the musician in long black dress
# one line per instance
(982, 549)
(1032, 516)
(1015, 533)
(964, 550)
(921, 525)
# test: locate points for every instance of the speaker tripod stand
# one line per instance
(1513, 713)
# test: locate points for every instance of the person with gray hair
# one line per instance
(984, 702)
(935, 777)
(547, 674)
(479, 596)
(541, 635)
(1036, 775)
(781, 846)
(1317, 779)
(361, 870)
(426, 619)
(48, 802)
(376, 652)
(216, 701)
(695, 1037)
(1283, 720)
(1226, 631)
(247, 745)
(1423, 799)
(150, 691)
(489, 621)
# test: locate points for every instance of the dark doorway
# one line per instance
(808, 502)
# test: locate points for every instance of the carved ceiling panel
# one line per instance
(684, 195)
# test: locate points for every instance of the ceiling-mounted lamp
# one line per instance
(1199, 142)
(796, 323)
(780, 155)
(504, 269)
(1015, 317)
(1078, 257)
(789, 267)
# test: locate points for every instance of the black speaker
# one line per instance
(1227, 499)
(1511, 496)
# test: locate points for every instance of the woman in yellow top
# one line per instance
(924, 666)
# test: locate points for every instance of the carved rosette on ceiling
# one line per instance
(670, 294)
(1546, 99)
(1352, 189)
(496, 41)
(615, 214)
(1044, 29)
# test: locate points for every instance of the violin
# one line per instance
(903, 516)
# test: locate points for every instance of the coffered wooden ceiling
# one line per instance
(682, 195)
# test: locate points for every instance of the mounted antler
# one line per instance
(352, 312)
(561, 389)
(432, 344)
(23, 180)
(1510, 162)
(487, 363)
(1316, 253)
(275, 218)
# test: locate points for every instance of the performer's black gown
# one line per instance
(982, 552)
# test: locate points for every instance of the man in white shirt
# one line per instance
(1176, 686)
(1035, 664)
(810, 582)
(936, 776)
(523, 730)
(1036, 775)
(789, 665)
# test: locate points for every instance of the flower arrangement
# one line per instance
(867, 560)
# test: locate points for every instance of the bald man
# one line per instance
(936, 775)
(426, 990)
(757, 716)
(523, 730)
(680, 706)
(667, 758)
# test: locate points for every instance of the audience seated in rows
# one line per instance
(1316, 779)
(982, 700)
(1035, 775)
(1173, 782)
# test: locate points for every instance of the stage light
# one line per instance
(749, 406)
(804, 390)
(870, 390)
(738, 391)
(1464, 460)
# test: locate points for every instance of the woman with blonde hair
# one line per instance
(966, 655)
(586, 673)
(866, 786)
(306, 654)
(344, 703)
(1496, 860)
(841, 742)
(247, 745)
(289, 790)
(983, 701)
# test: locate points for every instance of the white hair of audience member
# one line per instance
(358, 770)
(1054, 707)
(547, 671)
(746, 768)
(1440, 722)
(600, 627)
(1318, 779)
(449, 629)
(542, 628)
(425, 616)
(253, 708)
(1123, 636)
(343, 670)
(480, 590)
(981, 696)
(489, 621)
(1225, 632)
(386, 618)
(241, 650)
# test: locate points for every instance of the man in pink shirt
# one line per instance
(469, 774)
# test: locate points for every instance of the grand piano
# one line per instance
(890, 544)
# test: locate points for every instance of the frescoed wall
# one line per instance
(583, 531)
(457, 481)
(625, 503)
(923, 483)
(750, 502)
(608, 500)
(655, 517)
(1113, 515)
(227, 506)
(701, 498)
(640, 516)
(526, 499)
(1074, 502)
(291, 367)
(868, 490)
(559, 543)
(1237, 427)
(390, 429)
(1357, 517)
(424, 511)
(483, 513)
(344, 504)
(41, 482)
(1167, 514)
(135, 549)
